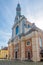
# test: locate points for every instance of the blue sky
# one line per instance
(32, 9)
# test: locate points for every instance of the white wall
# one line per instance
(22, 28)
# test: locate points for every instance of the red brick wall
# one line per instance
(28, 48)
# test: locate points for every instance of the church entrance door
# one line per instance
(16, 54)
(28, 55)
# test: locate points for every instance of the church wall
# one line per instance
(8, 51)
(40, 34)
(18, 51)
(13, 33)
(20, 26)
(11, 51)
(22, 49)
(35, 48)
(27, 29)
(28, 48)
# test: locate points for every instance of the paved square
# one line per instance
(14, 62)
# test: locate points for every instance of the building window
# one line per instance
(28, 43)
(41, 55)
(17, 30)
(40, 42)
(28, 26)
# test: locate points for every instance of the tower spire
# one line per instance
(18, 9)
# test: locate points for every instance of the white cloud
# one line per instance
(35, 16)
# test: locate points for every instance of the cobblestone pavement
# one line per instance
(16, 62)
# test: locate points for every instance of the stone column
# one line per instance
(11, 51)
(35, 48)
(14, 50)
(8, 51)
(22, 49)
(19, 52)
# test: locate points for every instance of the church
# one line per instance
(26, 42)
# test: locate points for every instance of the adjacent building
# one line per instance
(4, 53)
(27, 39)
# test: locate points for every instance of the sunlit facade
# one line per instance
(4, 53)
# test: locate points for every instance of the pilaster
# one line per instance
(35, 47)
(22, 49)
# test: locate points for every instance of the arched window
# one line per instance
(40, 42)
(17, 30)
(28, 26)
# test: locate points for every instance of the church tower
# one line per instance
(18, 10)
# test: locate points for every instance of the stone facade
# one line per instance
(27, 40)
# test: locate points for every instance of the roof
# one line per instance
(5, 48)
(33, 28)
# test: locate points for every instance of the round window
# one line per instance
(28, 42)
